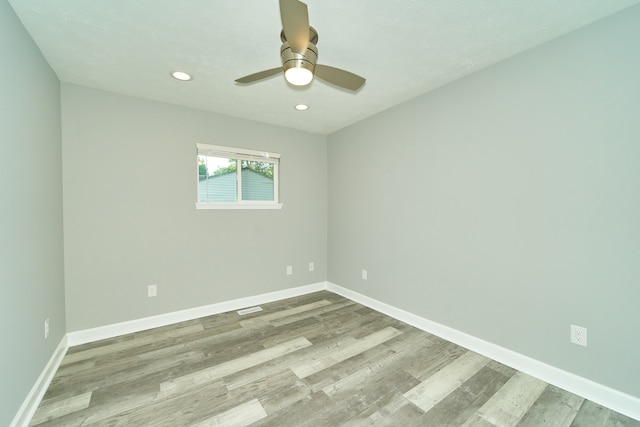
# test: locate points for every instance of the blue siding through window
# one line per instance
(222, 188)
(256, 186)
(218, 188)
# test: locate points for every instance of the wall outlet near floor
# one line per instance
(152, 290)
(289, 270)
(364, 274)
(46, 328)
(312, 266)
(579, 335)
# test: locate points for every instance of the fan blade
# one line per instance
(339, 77)
(259, 76)
(295, 23)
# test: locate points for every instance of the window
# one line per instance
(236, 178)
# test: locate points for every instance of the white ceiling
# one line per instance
(402, 47)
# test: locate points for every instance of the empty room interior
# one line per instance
(483, 200)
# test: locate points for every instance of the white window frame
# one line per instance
(240, 154)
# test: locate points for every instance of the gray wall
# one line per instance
(130, 219)
(507, 204)
(31, 264)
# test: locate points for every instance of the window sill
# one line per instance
(239, 206)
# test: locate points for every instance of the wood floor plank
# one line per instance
(407, 415)
(306, 368)
(72, 369)
(375, 392)
(183, 343)
(554, 408)
(95, 413)
(102, 378)
(461, 404)
(285, 395)
(219, 371)
(592, 414)
(352, 381)
(503, 369)
(360, 362)
(323, 309)
(125, 345)
(616, 420)
(512, 401)
(345, 323)
(267, 317)
(240, 416)
(301, 328)
(176, 410)
(428, 393)
(301, 357)
(439, 354)
(394, 354)
(51, 410)
(309, 412)
(396, 404)
(378, 322)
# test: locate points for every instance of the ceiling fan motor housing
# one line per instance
(307, 60)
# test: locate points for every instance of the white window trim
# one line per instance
(242, 154)
(245, 205)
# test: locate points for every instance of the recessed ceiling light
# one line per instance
(302, 107)
(181, 75)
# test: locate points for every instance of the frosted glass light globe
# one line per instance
(298, 76)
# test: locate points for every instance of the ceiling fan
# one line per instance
(299, 53)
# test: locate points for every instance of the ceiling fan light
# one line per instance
(298, 76)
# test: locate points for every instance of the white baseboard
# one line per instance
(28, 409)
(110, 331)
(598, 393)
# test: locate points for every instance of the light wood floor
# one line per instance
(315, 360)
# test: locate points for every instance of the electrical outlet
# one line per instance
(311, 266)
(152, 290)
(289, 270)
(579, 335)
(46, 328)
(364, 274)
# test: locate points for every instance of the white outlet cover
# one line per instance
(579, 335)
(311, 266)
(364, 274)
(152, 290)
(289, 270)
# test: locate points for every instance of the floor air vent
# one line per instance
(249, 310)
